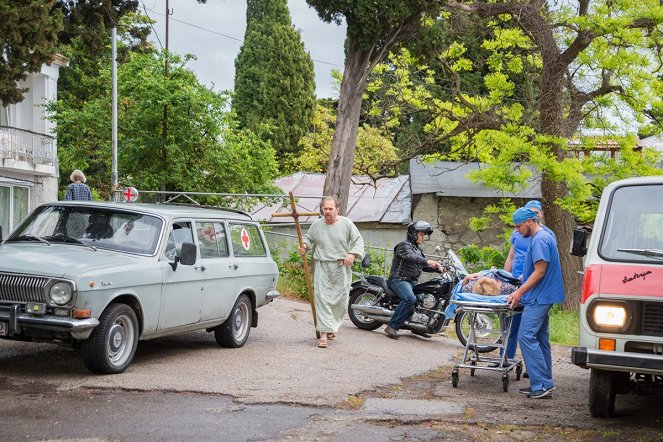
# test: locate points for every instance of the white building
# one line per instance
(28, 151)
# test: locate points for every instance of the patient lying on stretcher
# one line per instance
(492, 286)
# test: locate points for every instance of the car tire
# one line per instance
(112, 345)
(602, 392)
(234, 332)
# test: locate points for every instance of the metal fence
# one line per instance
(20, 144)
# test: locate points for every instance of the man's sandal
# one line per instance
(331, 336)
(322, 343)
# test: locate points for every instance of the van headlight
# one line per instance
(610, 316)
(60, 293)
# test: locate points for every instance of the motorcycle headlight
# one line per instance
(60, 293)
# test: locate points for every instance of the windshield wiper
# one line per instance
(59, 237)
(30, 238)
(644, 252)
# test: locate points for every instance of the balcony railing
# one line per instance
(25, 145)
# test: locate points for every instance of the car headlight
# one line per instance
(60, 293)
(610, 315)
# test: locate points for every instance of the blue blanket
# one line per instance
(458, 295)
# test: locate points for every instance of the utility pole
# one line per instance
(114, 176)
(164, 130)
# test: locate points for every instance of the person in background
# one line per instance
(336, 244)
(78, 190)
(542, 288)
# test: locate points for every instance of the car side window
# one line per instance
(246, 240)
(180, 232)
(212, 239)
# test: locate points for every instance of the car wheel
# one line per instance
(112, 344)
(235, 331)
(602, 393)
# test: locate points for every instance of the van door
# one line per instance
(182, 289)
(220, 273)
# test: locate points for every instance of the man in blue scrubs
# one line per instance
(542, 288)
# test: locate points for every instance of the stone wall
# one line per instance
(450, 217)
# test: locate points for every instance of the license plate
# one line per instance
(3, 329)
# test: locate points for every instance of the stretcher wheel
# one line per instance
(519, 371)
(454, 379)
(505, 383)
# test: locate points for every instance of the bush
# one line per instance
(292, 281)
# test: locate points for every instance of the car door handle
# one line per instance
(201, 268)
(233, 266)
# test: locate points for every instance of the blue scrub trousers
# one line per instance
(534, 342)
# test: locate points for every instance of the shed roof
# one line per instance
(449, 178)
(387, 200)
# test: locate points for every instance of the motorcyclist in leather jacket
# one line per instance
(408, 263)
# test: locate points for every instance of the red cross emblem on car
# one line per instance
(130, 194)
(246, 240)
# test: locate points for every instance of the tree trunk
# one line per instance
(559, 220)
(341, 159)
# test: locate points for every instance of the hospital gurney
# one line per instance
(472, 359)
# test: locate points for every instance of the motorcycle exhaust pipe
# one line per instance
(372, 310)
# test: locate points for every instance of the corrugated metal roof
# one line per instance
(387, 200)
(449, 178)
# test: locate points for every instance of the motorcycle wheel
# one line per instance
(359, 320)
(487, 330)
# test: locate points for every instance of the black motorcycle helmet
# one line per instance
(418, 226)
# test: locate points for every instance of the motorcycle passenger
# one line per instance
(408, 263)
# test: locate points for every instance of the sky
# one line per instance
(213, 32)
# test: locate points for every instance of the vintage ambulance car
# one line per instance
(621, 310)
(102, 276)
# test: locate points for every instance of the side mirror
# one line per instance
(187, 255)
(579, 244)
(366, 261)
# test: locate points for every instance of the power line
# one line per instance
(225, 35)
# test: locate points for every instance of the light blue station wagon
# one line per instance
(101, 276)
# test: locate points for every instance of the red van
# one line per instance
(621, 306)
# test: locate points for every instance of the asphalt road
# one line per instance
(280, 386)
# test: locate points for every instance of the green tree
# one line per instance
(591, 61)
(31, 30)
(374, 148)
(373, 28)
(206, 150)
(274, 80)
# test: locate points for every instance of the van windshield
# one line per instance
(98, 227)
(633, 229)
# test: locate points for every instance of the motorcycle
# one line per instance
(372, 303)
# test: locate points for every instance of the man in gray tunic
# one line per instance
(336, 244)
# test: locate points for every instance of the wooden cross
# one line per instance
(307, 273)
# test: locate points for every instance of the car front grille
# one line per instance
(652, 319)
(22, 288)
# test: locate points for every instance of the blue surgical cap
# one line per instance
(534, 204)
(523, 214)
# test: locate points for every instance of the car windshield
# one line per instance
(99, 227)
(633, 228)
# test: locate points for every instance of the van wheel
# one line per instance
(602, 393)
(112, 344)
(235, 331)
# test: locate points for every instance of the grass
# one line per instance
(564, 326)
